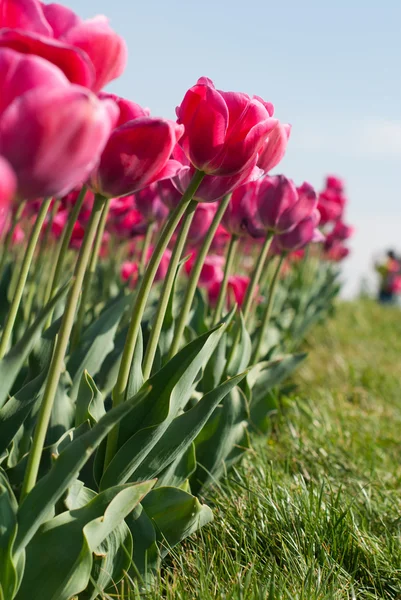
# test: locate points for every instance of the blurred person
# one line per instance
(390, 278)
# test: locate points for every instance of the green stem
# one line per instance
(145, 248)
(140, 303)
(63, 247)
(231, 252)
(90, 272)
(26, 263)
(8, 239)
(268, 310)
(40, 259)
(250, 293)
(56, 365)
(195, 274)
(166, 289)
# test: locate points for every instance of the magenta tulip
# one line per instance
(150, 205)
(224, 131)
(169, 193)
(274, 148)
(89, 52)
(8, 187)
(136, 155)
(201, 222)
(304, 233)
(241, 217)
(53, 138)
(212, 269)
(212, 187)
(128, 110)
(276, 196)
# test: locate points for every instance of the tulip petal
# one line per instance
(24, 14)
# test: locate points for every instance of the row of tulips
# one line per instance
(155, 285)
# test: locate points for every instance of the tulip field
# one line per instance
(160, 290)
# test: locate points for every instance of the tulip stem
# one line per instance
(145, 248)
(195, 274)
(56, 365)
(9, 237)
(268, 310)
(167, 289)
(230, 257)
(26, 263)
(140, 304)
(63, 250)
(89, 274)
(250, 293)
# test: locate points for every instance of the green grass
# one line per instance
(314, 512)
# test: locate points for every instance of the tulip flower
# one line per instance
(335, 183)
(8, 186)
(336, 251)
(281, 205)
(53, 138)
(89, 52)
(169, 193)
(274, 148)
(241, 217)
(201, 223)
(301, 235)
(212, 270)
(129, 272)
(341, 232)
(212, 187)
(128, 110)
(136, 155)
(331, 205)
(150, 205)
(224, 131)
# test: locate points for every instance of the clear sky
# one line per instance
(331, 69)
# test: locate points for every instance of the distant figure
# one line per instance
(390, 278)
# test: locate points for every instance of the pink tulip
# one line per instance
(335, 183)
(169, 193)
(241, 217)
(331, 204)
(212, 187)
(341, 231)
(274, 148)
(201, 222)
(220, 239)
(128, 110)
(129, 272)
(304, 233)
(53, 138)
(224, 131)
(8, 186)
(281, 205)
(136, 155)
(212, 270)
(150, 205)
(336, 251)
(89, 52)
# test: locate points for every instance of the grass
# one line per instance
(314, 512)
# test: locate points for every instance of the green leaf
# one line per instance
(89, 403)
(38, 504)
(146, 557)
(171, 389)
(242, 354)
(175, 515)
(17, 409)
(223, 432)
(96, 342)
(183, 430)
(180, 470)
(10, 566)
(59, 557)
(12, 362)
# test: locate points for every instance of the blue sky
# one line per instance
(332, 70)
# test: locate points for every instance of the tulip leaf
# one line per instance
(171, 390)
(59, 557)
(38, 504)
(96, 342)
(183, 430)
(11, 567)
(223, 432)
(175, 515)
(12, 362)
(179, 471)
(89, 403)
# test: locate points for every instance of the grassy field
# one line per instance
(315, 510)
